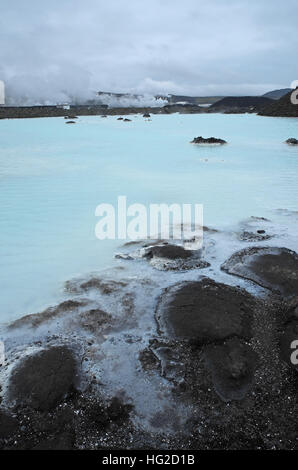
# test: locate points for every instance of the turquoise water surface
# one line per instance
(52, 177)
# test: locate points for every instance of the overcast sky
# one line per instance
(195, 47)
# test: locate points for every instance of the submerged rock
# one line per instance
(104, 286)
(94, 320)
(273, 268)
(232, 366)
(167, 257)
(205, 311)
(126, 120)
(174, 257)
(168, 252)
(292, 141)
(36, 319)
(42, 380)
(209, 140)
(146, 115)
(260, 236)
(70, 122)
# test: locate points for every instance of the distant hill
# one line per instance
(249, 103)
(281, 108)
(196, 100)
(277, 94)
(171, 99)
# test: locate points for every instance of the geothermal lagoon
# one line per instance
(53, 176)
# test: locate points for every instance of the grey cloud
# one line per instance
(69, 48)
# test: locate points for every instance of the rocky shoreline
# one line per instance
(199, 364)
(13, 112)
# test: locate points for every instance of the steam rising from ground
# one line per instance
(126, 101)
(59, 85)
(70, 86)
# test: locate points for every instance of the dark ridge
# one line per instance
(12, 112)
(281, 108)
(277, 94)
(244, 103)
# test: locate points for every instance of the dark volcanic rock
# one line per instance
(273, 268)
(146, 115)
(232, 366)
(241, 103)
(43, 380)
(70, 122)
(94, 320)
(169, 252)
(105, 286)
(167, 257)
(126, 120)
(260, 236)
(8, 425)
(289, 343)
(292, 141)
(64, 441)
(205, 311)
(36, 319)
(209, 140)
(174, 257)
(282, 107)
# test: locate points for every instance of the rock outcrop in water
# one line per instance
(292, 141)
(206, 311)
(168, 257)
(43, 380)
(209, 140)
(273, 268)
(259, 236)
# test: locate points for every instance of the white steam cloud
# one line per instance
(68, 86)
(127, 101)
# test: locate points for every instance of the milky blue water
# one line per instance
(53, 175)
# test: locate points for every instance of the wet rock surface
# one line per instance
(167, 257)
(288, 341)
(169, 252)
(273, 268)
(243, 391)
(8, 425)
(36, 319)
(83, 421)
(42, 380)
(105, 286)
(232, 366)
(206, 311)
(292, 141)
(140, 362)
(259, 236)
(209, 140)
